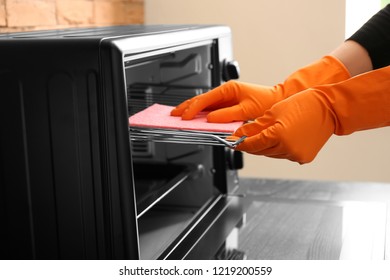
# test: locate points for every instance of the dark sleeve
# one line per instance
(374, 36)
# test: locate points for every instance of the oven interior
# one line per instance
(174, 182)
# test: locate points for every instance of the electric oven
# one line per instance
(73, 183)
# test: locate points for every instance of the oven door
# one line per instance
(184, 193)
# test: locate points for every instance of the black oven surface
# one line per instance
(73, 184)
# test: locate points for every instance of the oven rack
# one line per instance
(182, 136)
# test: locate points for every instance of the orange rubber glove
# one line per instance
(242, 101)
(297, 127)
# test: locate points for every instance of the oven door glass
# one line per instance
(174, 183)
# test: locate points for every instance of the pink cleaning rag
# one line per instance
(159, 116)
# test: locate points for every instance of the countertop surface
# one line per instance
(299, 220)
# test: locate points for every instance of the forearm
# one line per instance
(374, 37)
(369, 47)
(354, 57)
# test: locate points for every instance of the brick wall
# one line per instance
(23, 15)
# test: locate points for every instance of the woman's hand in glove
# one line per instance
(297, 127)
(232, 101)
(236, 101)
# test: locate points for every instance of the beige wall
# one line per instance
(272, 39)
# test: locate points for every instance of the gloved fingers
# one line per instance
(265, 137)
(269, 143)
(277, 142)
(255, 127)
(226, 93)
(179, 109)
(260, 143)
(279, 153)
(225, 115)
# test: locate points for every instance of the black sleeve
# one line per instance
(374, 36)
